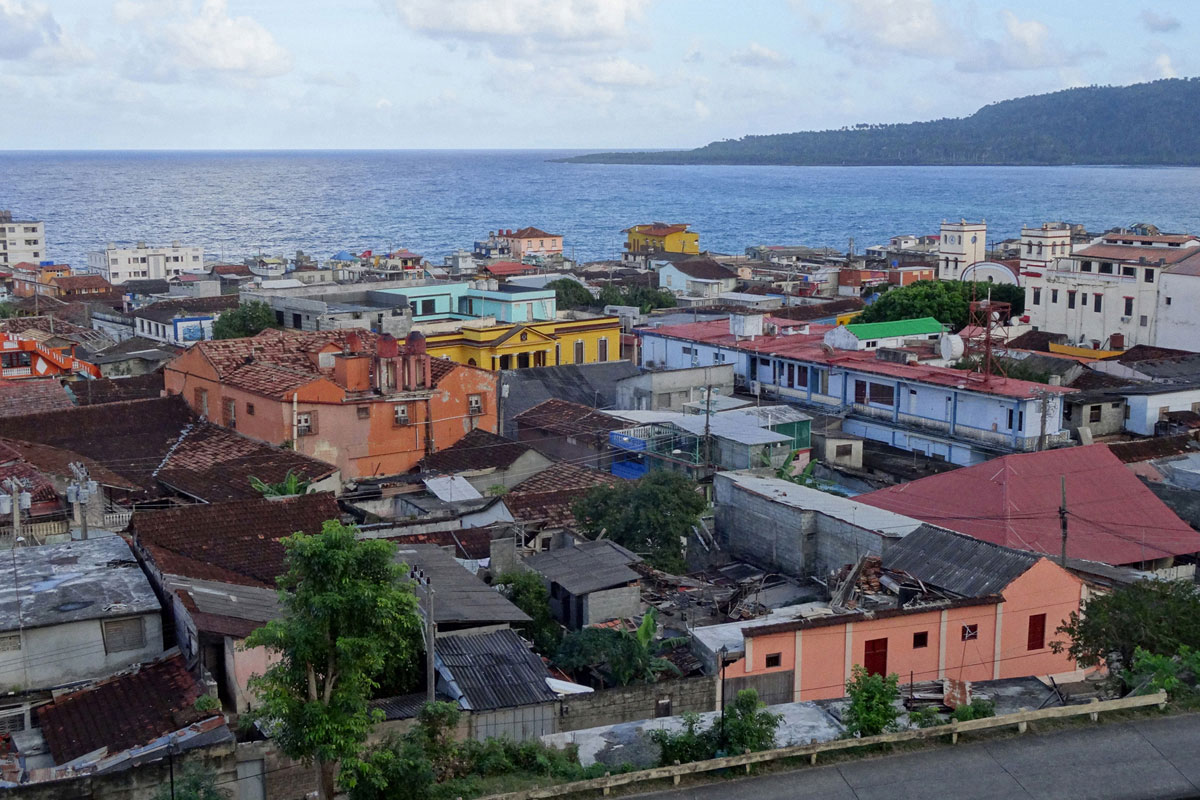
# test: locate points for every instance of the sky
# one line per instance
(590, 74)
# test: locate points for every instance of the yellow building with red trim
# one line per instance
(660, 237)
(571, 339)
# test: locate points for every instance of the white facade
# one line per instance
(989, 272)
(1178, 302)
(1146, 409)
(21, 240)
(962, 243)
(56, 654)
(120, 264)
(675, 280)
(1106, 295)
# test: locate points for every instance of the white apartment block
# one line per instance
(1178, 300)
(142, 262)
(21, 240)
(962, 243)
(1107, 295)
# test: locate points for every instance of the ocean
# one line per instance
(238, 203)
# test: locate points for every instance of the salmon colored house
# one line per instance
(946, 606)
(363, 401)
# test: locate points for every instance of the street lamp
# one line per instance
(724, 651)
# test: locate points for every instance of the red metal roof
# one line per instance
(1134, 253)
(1013, 501)
(509, 268)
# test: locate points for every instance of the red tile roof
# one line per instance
(809, 347)
(18, 398)
(704, 269)
(505, 268)
(531, 233)
(479, 449)
(1013, 501)
(114, 390)
(657, 229)
(123, 712)
(546, 498)
(215, 464)
(1134, 253)
(56, 461)
(235, 542)
(567, 419)
(74, 283)
(231, 269)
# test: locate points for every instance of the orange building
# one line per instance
(947, 606)
(29, 279)
(26, 357)
(363, 401)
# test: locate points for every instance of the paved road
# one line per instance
(1152, 758)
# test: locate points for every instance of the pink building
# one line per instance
(938, 605)
(531, 242)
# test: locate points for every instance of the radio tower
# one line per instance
(989, 316)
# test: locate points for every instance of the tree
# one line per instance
(625, 656)
(191, 783)
(571, 294)
(1160, 617)
(248, 319)
(528, 592)
(290, 485)
(347, 613)
(946, 301)
(651, 517)
(872, 709)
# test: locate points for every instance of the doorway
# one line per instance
(875, 656)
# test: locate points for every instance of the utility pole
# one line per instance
(1044, 400)
(15, 498)
(1062, 518)
(79, 492)
(707, 427)
(428, 633)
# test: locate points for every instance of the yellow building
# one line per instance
(661, 237)
(574, 340)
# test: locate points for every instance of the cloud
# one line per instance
(1164, 66)
(912, 27)
(758, 57)
(521, 20)
(1026, 44)
(26, 28)
(1159, 23)
(620, 72)
(178, 41)
(382, 104)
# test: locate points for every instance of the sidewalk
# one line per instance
(1151, 758)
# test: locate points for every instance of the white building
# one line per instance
(1178, 300)
(1037, 250)
(1106, 295)
(696, 277)
(21, 240)
(142, 262)
(962, 243)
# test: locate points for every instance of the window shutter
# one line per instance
(123, 634)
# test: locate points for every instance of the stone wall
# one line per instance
(619, 602)
(637, 702)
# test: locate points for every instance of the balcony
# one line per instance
(16, 372)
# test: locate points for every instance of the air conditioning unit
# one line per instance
(1126, 319)
(755, 388)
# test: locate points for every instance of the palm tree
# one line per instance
(290, 485)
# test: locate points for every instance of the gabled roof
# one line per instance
(478, 450)
(888, 330)
(529, 233)
(461, 599)
(75, 283)
(568, 419)
(704, 269)
(236, 542)
(587, 566)
(115, 390)
(1014, 500)
(502, 268)
(494, 670)
(957, 563)
(547, 497)
(214, 464)
(56, 461)
(590, 384)
(123, 712)
(18, 398)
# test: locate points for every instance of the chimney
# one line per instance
(352, 371)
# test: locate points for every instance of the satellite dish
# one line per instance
(950, 346)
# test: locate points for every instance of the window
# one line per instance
(882, 394)
(1037, 296)
(602, 354)
(305, 423)
(1037, 632)
(364, 412)
(400, 412)
(201, 401)
(249, 409)
(1070, 299)
(474, 404)
(1106, 268)
(1148, 276)
(1129, 306)
(1085, 266)
(229, 412)
(1096, 298)
(10, 642)
(1143, 321)
(1010, 418)
(1168, 300)
(1094, 413)
(427, 307)
(579, 351)
(1054, 295)
(860, 392)
(920, 639)
(774, 659)
(123, 634)
(843, 451)
(970, 632)
(1129, 272)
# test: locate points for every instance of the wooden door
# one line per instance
(875, 656)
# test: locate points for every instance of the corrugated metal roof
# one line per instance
(587, 566)
(459, 598)
(957, 563)
(494, 670)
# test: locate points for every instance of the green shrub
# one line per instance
(926, 717)
(978, 709)
(873, 700)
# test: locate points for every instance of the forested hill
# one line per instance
(1144, 124)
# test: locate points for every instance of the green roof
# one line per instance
(901, 327)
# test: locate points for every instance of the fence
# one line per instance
(1021, 719)
(35, 531)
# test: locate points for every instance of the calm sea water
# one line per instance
(237, 203)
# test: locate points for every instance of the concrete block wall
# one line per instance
(767, 533)
(637, 702)
(619, 602)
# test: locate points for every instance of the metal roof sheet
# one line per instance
(494, 670)
(957, 563)
(587, 566)
(459, 597)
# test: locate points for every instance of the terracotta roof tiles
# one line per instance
(547, 497)
(567, 419)
(479, 449)
(18, 398)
